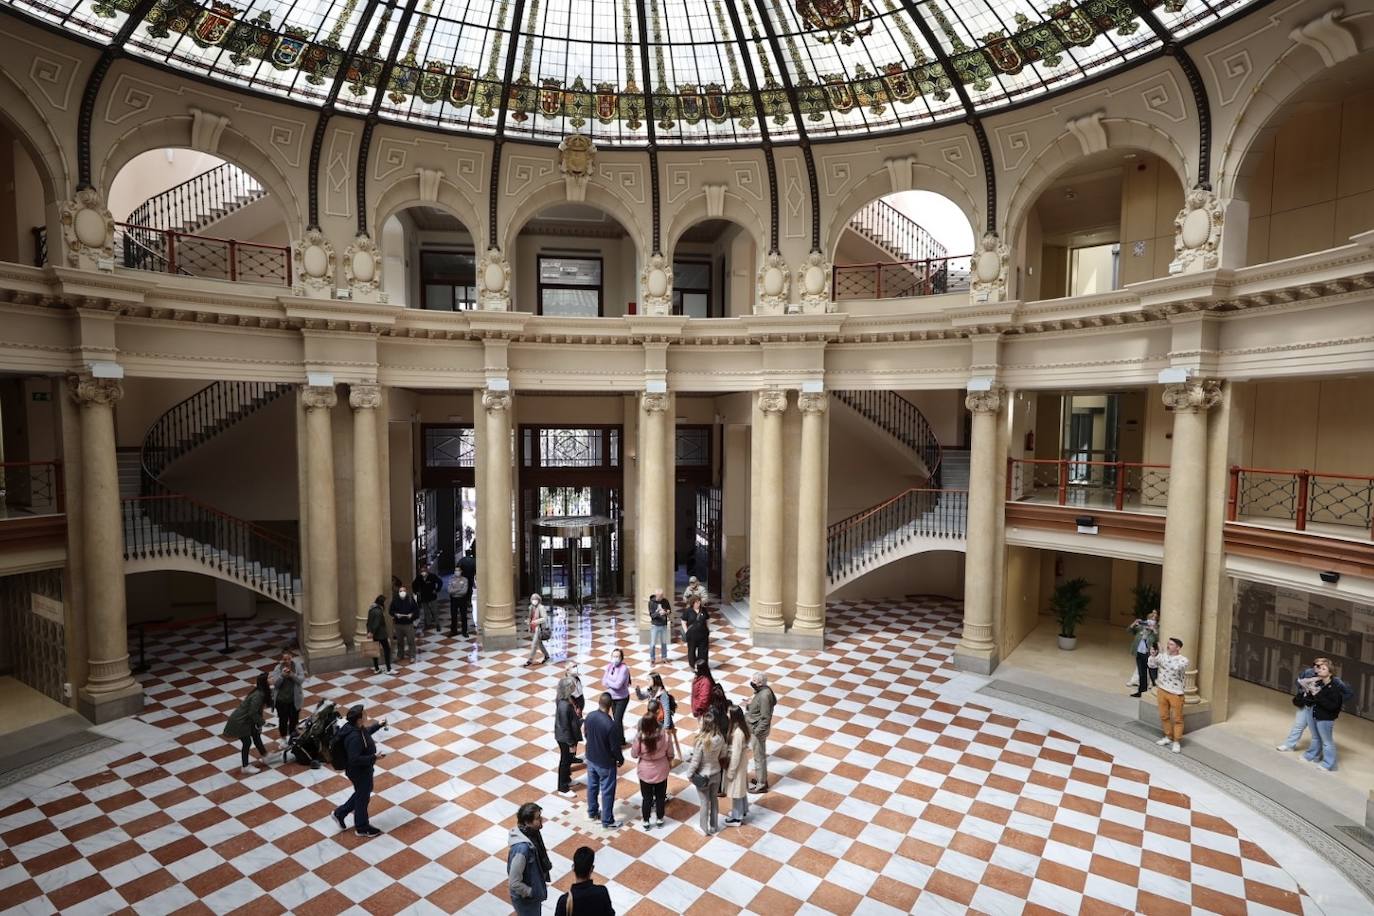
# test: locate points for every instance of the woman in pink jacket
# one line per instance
(651, 750)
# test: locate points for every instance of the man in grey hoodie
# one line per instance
(528, 866)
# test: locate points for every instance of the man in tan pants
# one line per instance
(1172, 666)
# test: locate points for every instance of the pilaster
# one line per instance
(765, 599)
(369, 568)
(496, 569)
(322, 635)
(977, 651)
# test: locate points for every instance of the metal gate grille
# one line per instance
(33, 647)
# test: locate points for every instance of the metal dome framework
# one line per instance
(656, 72)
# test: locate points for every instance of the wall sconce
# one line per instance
(1087, 524)
(1330, 576)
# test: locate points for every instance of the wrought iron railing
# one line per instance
(865, 540)
(891, 229)
(199, 200)
(165, 251)
(900, 419)
(32, 488)
(898, 279)
(174, 525)
(1120, 485)
(1302, 497)
(203, 415)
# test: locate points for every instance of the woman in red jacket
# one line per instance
(701, 689)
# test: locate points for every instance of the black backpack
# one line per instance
(672, 704)
(338, 750)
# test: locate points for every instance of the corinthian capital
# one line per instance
(86, 389)
(812, 402)
(315, 397)
(773, 400)
(653, 401)
(1193, 396)
(364, 397)
(492, 401)
(989, 401)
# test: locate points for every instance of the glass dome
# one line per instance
(717, 71)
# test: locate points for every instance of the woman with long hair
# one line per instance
(701, 688)
(651, 750)
(737, 772)
(666, 711)
(245, 723)
(704, 770)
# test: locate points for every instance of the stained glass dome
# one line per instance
(674, 71)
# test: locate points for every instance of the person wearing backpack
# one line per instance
(245, 723)
(528, 867)
(354, 748)
(459, 603)
(650, 748)
(667, 709)
(376, 628)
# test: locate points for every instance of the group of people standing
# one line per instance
(414, 610)
(282, 689)
(1318, 695)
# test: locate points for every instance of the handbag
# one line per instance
(369, 648)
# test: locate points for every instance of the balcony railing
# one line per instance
(1340, 504)
(863, 540)
(166, 251)
(1120, 485)
(899, 279)
(31, 488)
(898, 233)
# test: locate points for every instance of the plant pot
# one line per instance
(1068, 642)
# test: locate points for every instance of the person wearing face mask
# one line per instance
(404, 611)
(616, 680)
(538, 619)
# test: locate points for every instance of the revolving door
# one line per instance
(571, 559)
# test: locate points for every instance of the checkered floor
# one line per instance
(887, 798)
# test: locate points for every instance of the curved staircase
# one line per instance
(166, 530)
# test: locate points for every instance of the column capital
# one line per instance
(773, 400)
(87, 389)
(989, 401)
(653, 401)
(317, 396)
(812, 402)
(1193, 396)
(364, 397)
(494, 401)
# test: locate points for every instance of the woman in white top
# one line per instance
(538, 617)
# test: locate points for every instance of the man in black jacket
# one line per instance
(356, 735)
(426, 588)
(587, 897)
(404, 610)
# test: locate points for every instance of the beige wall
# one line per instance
(1319, 425)
(619, 268)
(150, 173)
(1151, 196)
(939, 572)
(865, 468)
(1312, 184)
(21, 201)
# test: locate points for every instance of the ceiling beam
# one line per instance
(517, 17)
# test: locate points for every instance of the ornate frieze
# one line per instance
(87, 230)
(493, 281)
(316, 397)
(313, 260)
(989, 401)
(773, 400)
(86, 389)
(364, 397)
(495, 401)
(656, 286)
(1197, 233)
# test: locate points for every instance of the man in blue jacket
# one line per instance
(1302, 719)
(603, 759)
(356, 735)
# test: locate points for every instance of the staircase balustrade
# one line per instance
(864, 540)
(902, 420)
(199, 200)
(894, 231)
(1120, 485)
(901, 279)
(1303, 497)
(165, 251)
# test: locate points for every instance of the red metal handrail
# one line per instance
(1062, 481)
(917, 277)
(173, 259)
(1305, 491)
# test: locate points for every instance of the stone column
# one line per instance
(369, 569)
(1185, 527)
(977, 652)
(811, 580)
(497, 576)
(765, 600)
(110, 690)
(322, 638)
(653, 503)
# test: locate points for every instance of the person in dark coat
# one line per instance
(245, 723)
(356, 734)
(426, 588)
(404, 611)
(287, 693)
(603, 760)
(696, 632)
(467, 567)
(1324, 696)
(585, 897)
(528, 867)
(376, 628)
(567, 731)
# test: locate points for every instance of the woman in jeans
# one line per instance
(246, 722)
(537, 619)
(651, 750)
(660, 611)
(1323, 695)
(737, 773)
(616, 680)
(704, 770)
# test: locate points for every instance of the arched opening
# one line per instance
(1105, 221)
(429, 260)
(23, 200)
(184, 212)
(574, 260)
(1309, 174)
(911, 243)
(714, 261)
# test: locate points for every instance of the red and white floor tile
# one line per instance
(895, 791)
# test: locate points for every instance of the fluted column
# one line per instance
(110, 690)
(322, 549)
(1185, 527)
(976, 651)
(497, 576)
(765, 587)
(653, 501)
(369, 569)
(811, 488)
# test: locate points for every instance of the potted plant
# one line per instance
(1069, 605)
(1146, 600)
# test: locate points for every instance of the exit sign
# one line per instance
(41, 395)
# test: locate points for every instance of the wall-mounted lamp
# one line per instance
(1330, 576)
(1087, 524)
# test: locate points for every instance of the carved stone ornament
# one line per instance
(362, 270)
(100, 392)
(316, 397)
(87, 229)
(364, 397)
(493, 401)
(813, 282)
(1193, 396)
(989, 269)
(493, 281)
(653, 401)
(656, 286)
(206, 130)
(576, 158)
(1334, 41)
(1197, 233)
(429, 183)
(813, 402)
(773, 400)
(989, 401)
(774, 286)
(312, 258)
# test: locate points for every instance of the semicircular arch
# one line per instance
(38, 138)
(555, 192)
(879, 185)
(735, 211)
(405, 194)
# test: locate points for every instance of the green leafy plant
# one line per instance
(1069, 605)
(1146, 600)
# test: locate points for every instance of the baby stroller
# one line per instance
(310, 744)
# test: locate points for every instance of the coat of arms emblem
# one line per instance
(838, 19)
(213, 25)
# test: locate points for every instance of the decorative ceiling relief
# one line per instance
(337, 196)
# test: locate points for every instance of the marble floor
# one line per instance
(897, 788)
